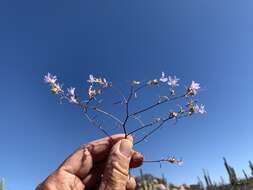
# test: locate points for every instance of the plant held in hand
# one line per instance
(93, 107)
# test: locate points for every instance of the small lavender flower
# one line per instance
(91, 79)
(92, 93)
(50, 79)
(99, 81)
(71, 91)
(173, 82)
(202, 109)
(163, 78)
(199, 109)
(193, 89)
(71, 95)
(104, 83)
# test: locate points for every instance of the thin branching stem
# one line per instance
(140, 87)
(143, 126)
(150, 161)
(95, 124)
(158, 127)
(150, 133)
(108, 114)
(138, 120)
(171, 160)
(118, 90)
(127, 110)
(156, 104)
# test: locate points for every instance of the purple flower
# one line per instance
(199, 109)
(163, 78)
(173, 82)
(50, 79)
(92, 79)
(103, 82)
(71, 95)
(193, 89)
(71, 91)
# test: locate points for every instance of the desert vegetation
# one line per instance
(149, 182)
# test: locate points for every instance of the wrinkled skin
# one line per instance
(102, 164)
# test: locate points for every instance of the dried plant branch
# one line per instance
(156, 104)
(95, 124)
(141, 87)
(117, 89)
(161, 123)
(108, 114)
(97, 87)
(170, 159)
(127, 110)
(150, 133)
(138, 120)
(144, 126)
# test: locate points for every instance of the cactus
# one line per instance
(251, 167)
(149, 182)
(2, 184)
(245, 175)
(200, 183)
(207, 179)
(231, 173)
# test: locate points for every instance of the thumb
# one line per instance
(115, 175)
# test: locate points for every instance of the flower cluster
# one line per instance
(51, 80)
(92, 93)
(97, 84)
(92, 106)
(193, 89)
(195, 108)
(101, 81)
(173, 160)
(173, 82)
(71, 95)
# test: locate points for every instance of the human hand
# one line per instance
(102, 164)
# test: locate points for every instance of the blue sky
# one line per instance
(207, 41)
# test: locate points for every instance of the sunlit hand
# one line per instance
(101, 164)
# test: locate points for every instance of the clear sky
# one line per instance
(210, 41)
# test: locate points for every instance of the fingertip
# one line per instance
(136, 160)
(125, 147)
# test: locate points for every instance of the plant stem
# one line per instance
(108, 114)
(155, 105)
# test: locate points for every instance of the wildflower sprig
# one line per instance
(92, 106)
(169, 159)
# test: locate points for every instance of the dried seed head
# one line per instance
(173, 115)
(56, 88)
(153, 82)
